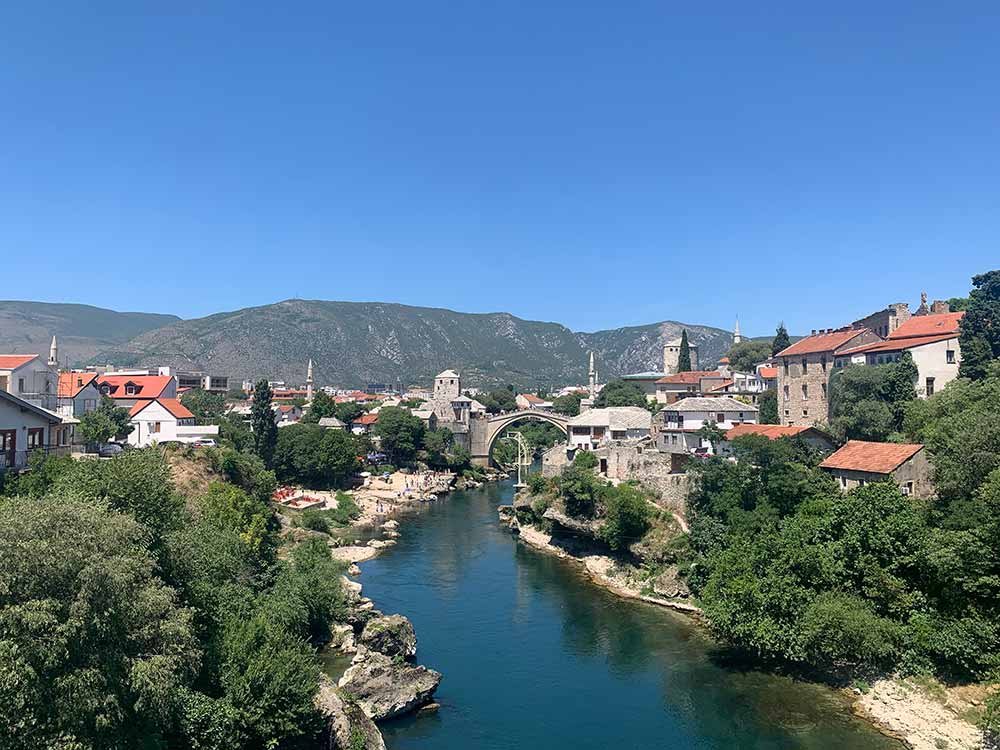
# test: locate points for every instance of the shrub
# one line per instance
(585, 460)
(626, 513)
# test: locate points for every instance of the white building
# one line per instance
(128, 389)
(531, 401)
(595, 427)
(77, 393)
(25, 427)
(162, 420)
(675, 428)
(932, 341)
(30, 378)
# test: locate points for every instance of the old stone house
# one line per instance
(859, 463)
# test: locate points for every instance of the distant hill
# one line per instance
(82, 330)
(354, 343)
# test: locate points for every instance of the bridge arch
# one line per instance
(499, 423)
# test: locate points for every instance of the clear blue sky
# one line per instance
(623, 162)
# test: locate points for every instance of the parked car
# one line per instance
(110, 450)
(205, 443)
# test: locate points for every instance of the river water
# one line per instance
(536, 656)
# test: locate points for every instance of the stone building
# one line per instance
(859, 463)
(804, 370)
(672, 355)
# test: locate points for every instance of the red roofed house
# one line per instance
(671, 388)
(810, 435)
(932, 341)
(804, 370)
(161, 420)
(859, 463)
(531, 401)
(364, 424)
(127, 389)
(77, 393)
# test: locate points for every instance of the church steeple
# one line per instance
(737, 338)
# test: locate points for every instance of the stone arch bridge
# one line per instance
(483, 433)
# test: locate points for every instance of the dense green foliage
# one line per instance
(620, 393)
(400, 433)
(781, 340)
(684, 358)
(322, 406)
(746, 355)
(315, 457)
(498, 400)
(262, 424)
(869, 402)
(131, 618)
(568, 404)
(980, 326)
(207, 407)
(767, 407)
(105, 422)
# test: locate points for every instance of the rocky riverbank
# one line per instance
(923, 717)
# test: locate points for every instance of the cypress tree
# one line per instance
(980, 327)
(780, 340)
(684, 360)
(265, 431)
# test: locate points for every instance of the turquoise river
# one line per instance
(534, 655)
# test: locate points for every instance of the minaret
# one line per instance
(309, 381)
(53, 353)
(592, 382)
(737, 338)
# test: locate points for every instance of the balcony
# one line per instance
(18, 459)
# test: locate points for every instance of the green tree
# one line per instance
(958, 304)
(580, 490)
(400, 434)
(767, 407)
(781, 341)
(207, 407)
(105, 422)
(498, 400)
(348, 411)
(95, 649)
(310, 455)
(746, 355)
(684, 358)
(869, 402)
(265, 431)
(437, 446)
(322, 406)
(620, 393)
(230, 508)
(980, 326)
(626, 516)
(568, 404)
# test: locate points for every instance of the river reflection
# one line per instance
(535, 656)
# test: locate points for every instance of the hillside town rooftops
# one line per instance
(330, 422)
(873, 458)
(692, 377)
(134, 386)
(172, 405)
(711, 404)
(770, 431)
(898, 345)
(71, 383)
(821, 342)
(366, 419)
(13, 361)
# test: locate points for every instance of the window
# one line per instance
(950, 356)
(89, 404)
(20, 385)
(805, 364)
(805, 391)
(720, 418)
(823, 386)
(36, 437)
(843, 481)
(154, 426)
(130, 389)
(786, 392)
(822, 362)
(907, 488)
(805, 412)
(785, 363)
(930, 386)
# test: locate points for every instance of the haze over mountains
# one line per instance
(351, 343)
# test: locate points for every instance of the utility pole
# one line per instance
(523, 456)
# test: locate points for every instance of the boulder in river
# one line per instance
(391, 635)
(385, 687)
(671, 585)
(348, 727)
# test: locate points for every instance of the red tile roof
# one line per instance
(928, 325)
(769, 373)
(875, 458)
(367, 419)
(821, 342)
(71, 383)
(689, 378)
(531, 398)
(897, 345)
(770, 431)
(150, 386)
(721, 386)
(13, 361)
(172, 405)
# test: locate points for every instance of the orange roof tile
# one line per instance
(689, 378)
(150, 386)
(875, 458)
(770, 431)
(367, 419)
(172, 405)
(13, 361)
(898, 345)
(768, 373)
(721, 386)
(821, 342)
(71, 383)
(928, 325)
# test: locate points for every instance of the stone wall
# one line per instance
(652, 469)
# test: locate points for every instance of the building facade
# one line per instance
(859, 463)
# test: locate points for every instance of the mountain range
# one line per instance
(351, 343)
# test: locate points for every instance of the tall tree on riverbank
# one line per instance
(265, 431)
(980, 336)
(780, 340)
(684, 359)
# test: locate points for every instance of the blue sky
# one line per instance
(596, 164)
